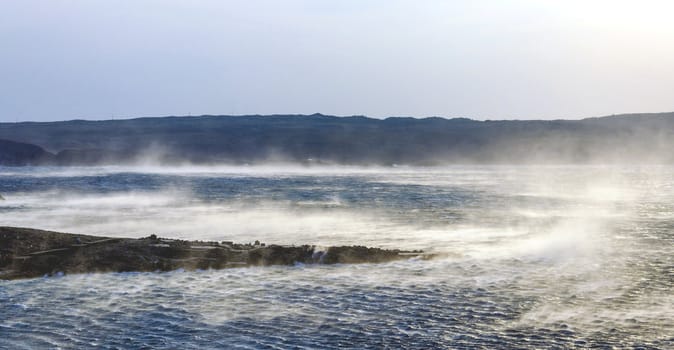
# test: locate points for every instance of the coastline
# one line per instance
(30, 253)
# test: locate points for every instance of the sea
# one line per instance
(527, 257)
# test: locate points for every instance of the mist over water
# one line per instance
(571, 256)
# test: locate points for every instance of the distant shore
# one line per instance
(29, 253)
(328, 140)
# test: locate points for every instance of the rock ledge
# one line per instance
(28, 253)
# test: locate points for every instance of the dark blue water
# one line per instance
(564, 257)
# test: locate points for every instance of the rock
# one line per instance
(28, 253)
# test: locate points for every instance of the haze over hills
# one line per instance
(357, 140)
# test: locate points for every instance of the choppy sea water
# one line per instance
(531, 257)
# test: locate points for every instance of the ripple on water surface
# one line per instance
(566, 257)
(409, 304)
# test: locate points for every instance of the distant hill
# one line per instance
(17, 153)
(641, 138)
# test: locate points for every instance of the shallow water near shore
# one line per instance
(530, 257)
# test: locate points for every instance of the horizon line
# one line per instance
(318, 114)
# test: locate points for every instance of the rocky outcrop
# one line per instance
(27, 253)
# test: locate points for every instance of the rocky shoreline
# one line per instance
(29, 253)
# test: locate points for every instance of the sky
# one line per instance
(519, 59)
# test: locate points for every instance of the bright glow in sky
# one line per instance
(524, 59)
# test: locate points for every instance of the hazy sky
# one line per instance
(481, 59)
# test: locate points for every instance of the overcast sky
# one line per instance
(528, 59)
